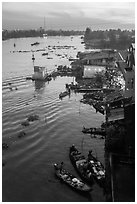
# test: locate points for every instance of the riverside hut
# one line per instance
(39, 73)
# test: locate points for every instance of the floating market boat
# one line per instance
(88, 168)
(80, 163)
(97, 169)
(71, 180)
(96, 131)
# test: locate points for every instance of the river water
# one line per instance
(28, 173)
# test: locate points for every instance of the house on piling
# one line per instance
(119, 103)
(101, 58)
(127, 67)
(39, 73)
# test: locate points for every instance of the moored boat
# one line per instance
(96, 131)
(45, 53)
(88, 168)
(97, 169)
(36, 43)
(63, 94)
(99, 108)
(71, 180)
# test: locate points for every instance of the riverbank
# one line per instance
(9, 34)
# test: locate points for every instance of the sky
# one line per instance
(68, 15)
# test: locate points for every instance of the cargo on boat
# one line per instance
(71, 180)
(90, 168)
(80, 163)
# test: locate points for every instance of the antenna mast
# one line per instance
(44, 23)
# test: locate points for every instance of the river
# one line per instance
(28, 173)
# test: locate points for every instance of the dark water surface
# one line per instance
(28, 174)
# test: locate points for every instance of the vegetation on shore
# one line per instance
(37, 33)
(114, 39)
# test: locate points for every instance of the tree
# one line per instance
(87, 34)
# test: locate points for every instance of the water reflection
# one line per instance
(39, 85)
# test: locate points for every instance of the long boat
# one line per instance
(71, 180)
(96, 131)
(63, 94)
(36, 43)
(97, 169)
(80, 163)
(89, 169)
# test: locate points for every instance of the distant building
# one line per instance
(115, 114)
(117, 36)
(99, 58)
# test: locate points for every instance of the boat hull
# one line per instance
(72, 181)
(77, 163)
(94, 167)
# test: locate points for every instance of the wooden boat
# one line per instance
(71, 180)
(97, 169)
(45, 53)
(36, 43)
(63, 94)
(88, 166)
(95, 131)
(72, 59)
(80, 163)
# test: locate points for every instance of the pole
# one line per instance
(33, 58)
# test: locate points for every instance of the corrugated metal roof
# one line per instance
(97, 55)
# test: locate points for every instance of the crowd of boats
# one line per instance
(49, 49)
(89, 168)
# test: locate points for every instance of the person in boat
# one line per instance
(56, 166)
(90, 155)
(59, 167)
(73, 149)
(88, 173)
(69, 90)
